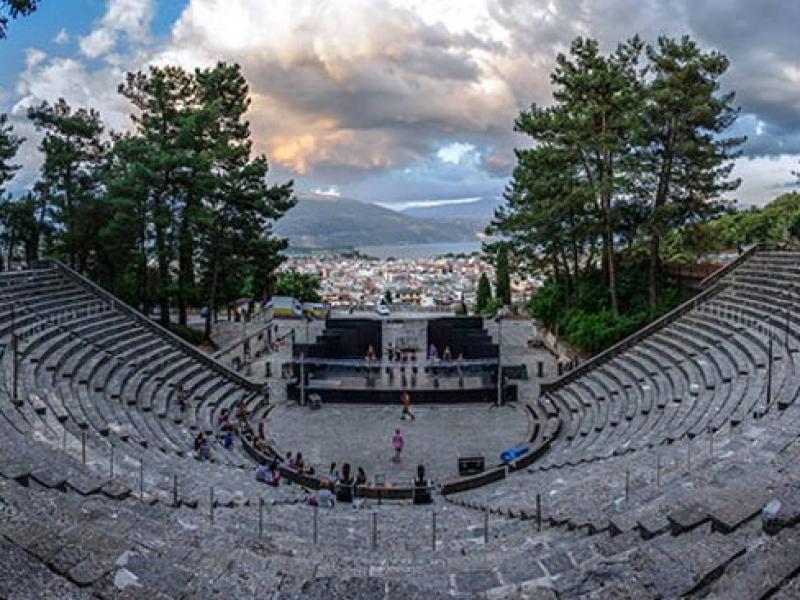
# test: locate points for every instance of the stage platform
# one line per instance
(437, 360)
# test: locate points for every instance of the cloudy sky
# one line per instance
(400, 102)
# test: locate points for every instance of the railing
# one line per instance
(728, 267)
(234, 345)
(361, 363)
(215, 365)
(632, 339)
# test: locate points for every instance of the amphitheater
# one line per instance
(665, 467)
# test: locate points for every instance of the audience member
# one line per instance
(333, 474)
(271, 475)
(199, 439)
(361, 477)
(344, 488)
(183, 399)
(324, 497)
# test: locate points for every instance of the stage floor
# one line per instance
(361, 435)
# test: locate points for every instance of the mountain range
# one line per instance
(317, 222)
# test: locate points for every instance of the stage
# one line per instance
(443, 360)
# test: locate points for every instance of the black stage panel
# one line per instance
(463, 335)
(344, 338)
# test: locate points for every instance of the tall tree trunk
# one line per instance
(575, 257)
(655, 268)
(608, 243)
(70, 222)
(141, 275)
(163, 266)
(212, 294)
(185, 266)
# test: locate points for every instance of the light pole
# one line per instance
(243, 315)
(499, 320)
(302, 380)
(788, 313)
(14, 354)
(308, 321)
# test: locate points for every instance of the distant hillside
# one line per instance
(326, 222)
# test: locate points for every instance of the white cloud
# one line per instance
(348, 92)
(764, 177)
(455, 152)
(62, 37)
(131, 17)
(99, 42)
(405, 77)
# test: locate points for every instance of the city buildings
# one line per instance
(431, 283)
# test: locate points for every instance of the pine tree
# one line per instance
(9, 144)
(164, 99)
(503, 284)
(123, 265)
(238, 207)
(685, 161)
(594, 118)
(548, 217)
(74, 155)
(18, 227)
(12, 9)
(484, 297)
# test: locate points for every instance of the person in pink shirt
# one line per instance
(397, 444)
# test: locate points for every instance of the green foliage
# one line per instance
(589, 323)
(483, 299)
(794, 227)
(175, 213)
(70, 186)
(13, 9)
(387, 297)
(9, 144)
(596, 331)
(769, 224)
(503, 277)
(19, 227)
(302, 286)
(632, 148)
(683, 160)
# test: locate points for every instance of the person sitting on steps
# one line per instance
(183, 399)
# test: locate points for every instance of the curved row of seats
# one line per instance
(88, 369)
(637, 496)
(704, 371)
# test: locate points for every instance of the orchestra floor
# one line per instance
(361, 435)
